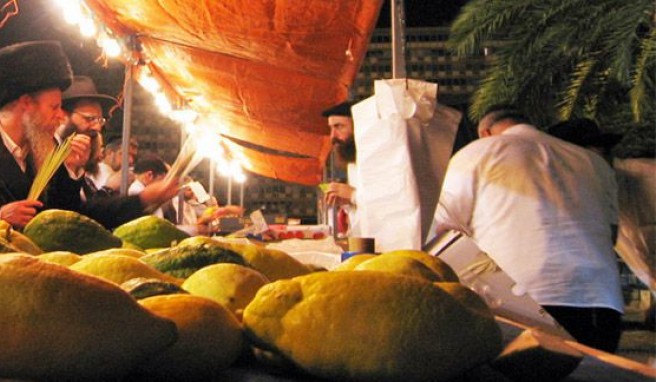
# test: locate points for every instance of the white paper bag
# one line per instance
(400, 132)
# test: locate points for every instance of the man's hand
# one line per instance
(338, 194)
(159, 192)
(19, 213)
(80, 153)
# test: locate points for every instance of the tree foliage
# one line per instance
(558, 59)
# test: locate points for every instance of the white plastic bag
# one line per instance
(404, 139)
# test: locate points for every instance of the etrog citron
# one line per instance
(192, 254)
(119, 269)
(373, 326)
(14, 241)
(231, 285)
(150, 231)
(353, 262)
(209, 339)
(272, 263)
(118, 251)
(62, 325)
(444, 270)
(399, 265)
(64, 258)
(59, 230)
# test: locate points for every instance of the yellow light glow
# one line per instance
(72, 13)
(88, 27)
(184, 116)
(163, 103)
(239, 178)
(149, 83)
(110, 46)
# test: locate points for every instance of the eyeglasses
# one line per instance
(92, 118)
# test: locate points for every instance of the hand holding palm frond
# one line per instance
(52, 162)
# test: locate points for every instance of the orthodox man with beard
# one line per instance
(32, 78)
(343, 195)
(87, 112)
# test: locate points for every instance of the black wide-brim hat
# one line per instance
(28, 67)
(83, 87)
(584, 132)
(342, 109)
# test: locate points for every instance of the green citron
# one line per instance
(231, 285)
(150, 232)
(62, 325)
(444, 270)
(192, 254)
(59, 230)
(210, 339)
(274, 264)
(374, 326)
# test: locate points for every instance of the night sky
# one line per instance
(41, 19)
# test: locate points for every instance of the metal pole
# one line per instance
(211, 177)
(230, 189)
(398, 39)
(127, 120)
(241, 194)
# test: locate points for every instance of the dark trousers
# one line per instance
(599, 328)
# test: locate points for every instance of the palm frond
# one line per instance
(642, 92)
(579, 76)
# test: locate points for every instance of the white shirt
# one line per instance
(352, 208)
(100, 178)
(542, 209)
(136, 188)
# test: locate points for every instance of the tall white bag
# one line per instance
(404, 140)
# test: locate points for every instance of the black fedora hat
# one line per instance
(584, 132)
(83, 87)
(341, 109)
(31, 66)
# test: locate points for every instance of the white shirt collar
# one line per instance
(19, 153)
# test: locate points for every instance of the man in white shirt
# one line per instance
(148, 170)
(546, 212)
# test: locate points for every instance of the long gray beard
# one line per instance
(40, 141)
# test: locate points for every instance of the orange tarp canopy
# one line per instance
(261, 70)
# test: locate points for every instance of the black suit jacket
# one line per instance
(64, 193)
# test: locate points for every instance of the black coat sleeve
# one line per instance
(63, 192)
(112, 211)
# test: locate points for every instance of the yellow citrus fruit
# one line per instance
(64, 258)
(374, 326)
(62, 325)
(444, 270)
(353, 262)
(118, 251)
(400, 265)
(119, 269)
(231, 285)
(209, 338)
(272, 263)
